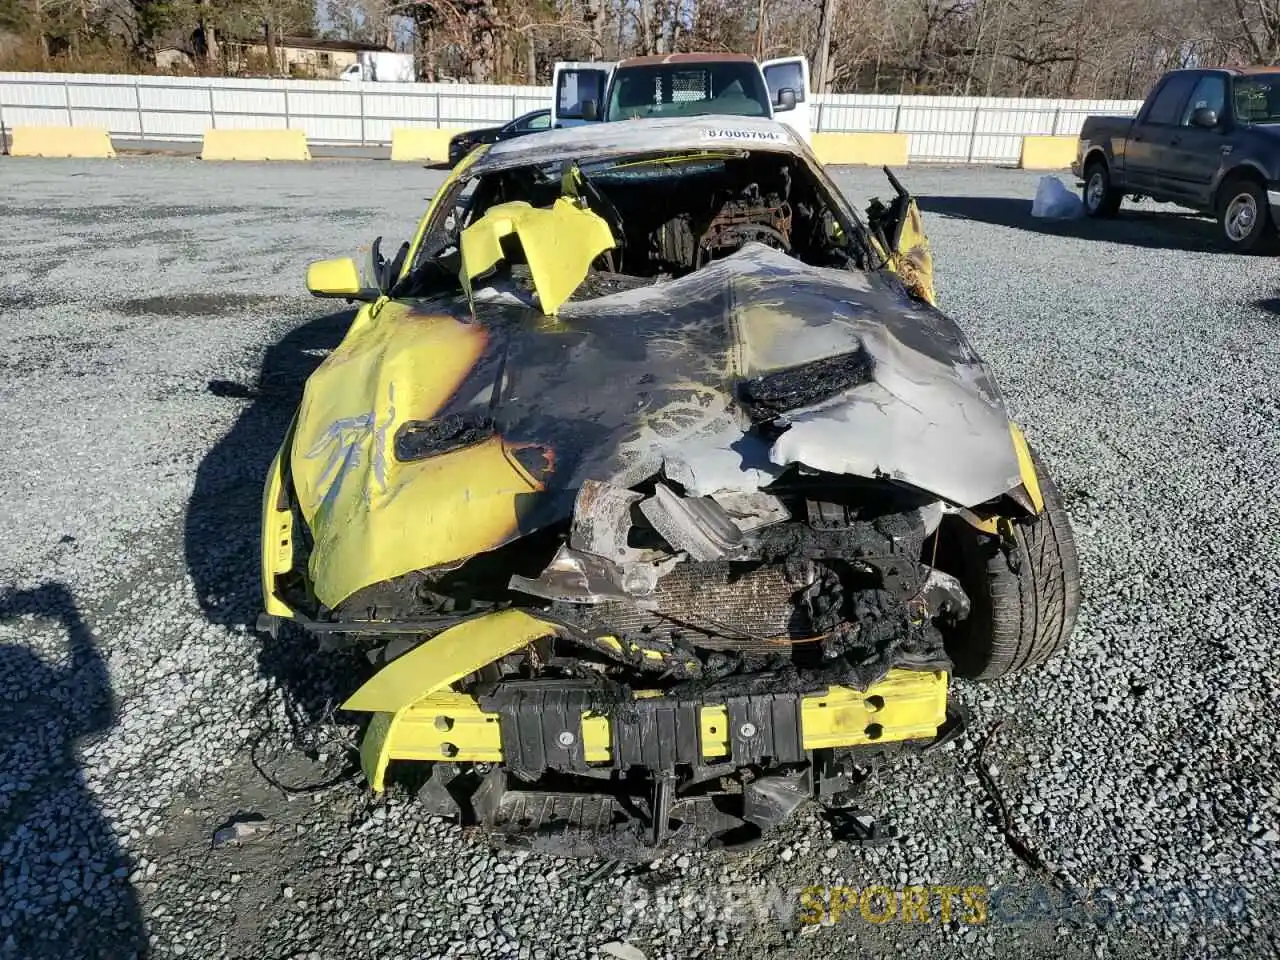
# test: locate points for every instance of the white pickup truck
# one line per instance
(683, 84)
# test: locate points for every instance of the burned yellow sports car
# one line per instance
(658, 493)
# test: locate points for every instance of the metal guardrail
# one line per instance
(963, 132)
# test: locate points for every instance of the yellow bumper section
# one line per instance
(444, 725)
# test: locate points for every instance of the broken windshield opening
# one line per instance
(642, 218)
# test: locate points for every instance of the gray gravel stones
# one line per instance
(155, 336)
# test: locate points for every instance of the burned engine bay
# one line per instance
(809, 584)
(671, 216)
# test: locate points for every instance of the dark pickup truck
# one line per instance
(1204, 139)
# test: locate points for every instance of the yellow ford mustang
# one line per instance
(660, 494)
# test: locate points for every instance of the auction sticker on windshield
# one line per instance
(725, 133)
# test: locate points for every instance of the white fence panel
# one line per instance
(943, 129)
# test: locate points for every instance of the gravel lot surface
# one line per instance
(156, 334)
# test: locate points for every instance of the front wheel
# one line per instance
(1023, 594)
(1244, 216)
(1101, 198)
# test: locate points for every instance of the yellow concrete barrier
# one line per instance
(1047, 153)
(869, 148)
(421, 144)
(61, 142)
(255, 145)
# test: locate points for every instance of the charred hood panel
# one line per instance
(427, 437)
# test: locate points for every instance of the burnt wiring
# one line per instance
(1020, 846)
(311, 737)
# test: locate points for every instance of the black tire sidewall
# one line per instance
(1262, 223)
(1106, 204)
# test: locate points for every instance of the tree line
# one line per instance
(1072, 48)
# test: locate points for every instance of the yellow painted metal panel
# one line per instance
(91, 142)
(445, 658)
(1027, 467)
(444, 725)
(421, 144)
(559, 244)
(255, 145)
(876, 149)
(277, 533)
(1048, 153)
(372, 515)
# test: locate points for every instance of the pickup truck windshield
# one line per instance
(1257, 99)
(688, 89)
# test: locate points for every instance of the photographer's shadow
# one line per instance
(64, 887)
(222, 535)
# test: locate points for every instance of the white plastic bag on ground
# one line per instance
(1056, 201)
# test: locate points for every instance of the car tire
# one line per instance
(1101, 198)
(1244, 216)
(1023, 595)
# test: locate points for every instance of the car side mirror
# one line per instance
(1205, 117)
(786, 99)
(590, 110)
(334, 278)
(338, 278)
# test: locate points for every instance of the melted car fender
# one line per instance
(559, 244)
(366, 508)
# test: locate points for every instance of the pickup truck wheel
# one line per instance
(1023, 596)
(1244, 216)
(1101, 198)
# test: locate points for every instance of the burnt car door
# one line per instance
(1199, 145)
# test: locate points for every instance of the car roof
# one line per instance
(1233, 71)
(601, 140)
(662, 58)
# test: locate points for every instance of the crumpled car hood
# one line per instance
(427, 437)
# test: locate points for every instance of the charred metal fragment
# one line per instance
(698, 526)
(751, 510)
(774, 394)
(602, 521)
(643, 654)
(420, 439)
(575, 577)
(770, 801)
(943, 595)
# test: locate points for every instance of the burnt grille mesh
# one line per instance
(755, 599)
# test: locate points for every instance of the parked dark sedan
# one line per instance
(464, 143)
